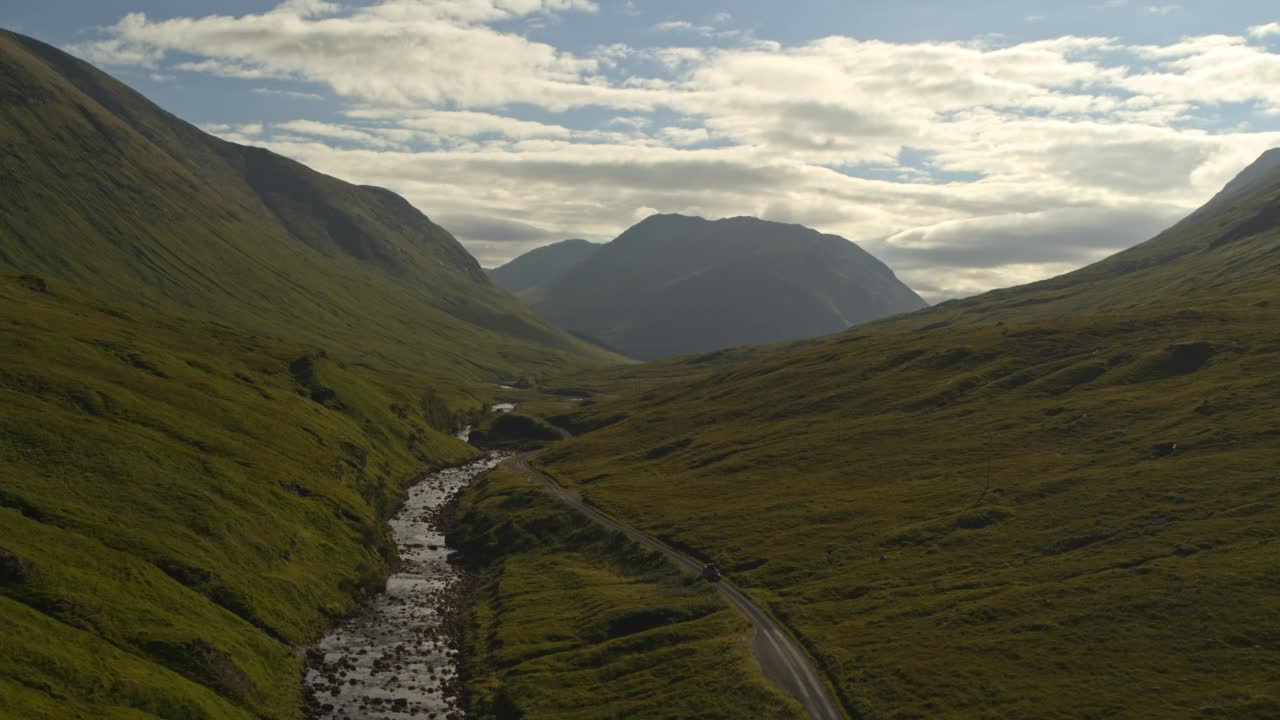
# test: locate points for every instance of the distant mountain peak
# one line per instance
(528, 272)
(676, 284)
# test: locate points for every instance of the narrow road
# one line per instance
(775, 650)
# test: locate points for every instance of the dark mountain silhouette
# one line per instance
(674, 284)
(526, 274)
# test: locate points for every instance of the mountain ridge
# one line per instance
(238, 233)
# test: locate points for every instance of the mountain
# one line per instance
(529, 272)
(106, 190)
(1070, 485)
(674, 284)
(220, 373)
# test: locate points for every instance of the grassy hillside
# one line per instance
(106, 190)
(1057, 501)
(571, 621)
(183, 502)
(219, 370)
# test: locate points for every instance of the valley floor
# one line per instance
(781, 660)
(575, 621)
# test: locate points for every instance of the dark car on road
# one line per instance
(710, 572)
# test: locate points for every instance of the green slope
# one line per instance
(219, 371)
(573, 621)
(1056, 501)
(106, 190)
(188, 499)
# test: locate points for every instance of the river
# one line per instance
(393, 660)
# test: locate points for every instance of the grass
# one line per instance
(195, 498)
(572, 621)
(1042, 502)
(850, 491)
(53, 671)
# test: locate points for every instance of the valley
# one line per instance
(1074, 499)
(221, 372)
(276, 446)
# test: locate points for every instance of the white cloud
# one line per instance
(681, 26)
(308, 8)
(706, 31)
(116, 51)
(396, 51)
(464, 124)
(1261, 31)
(291, 94)
(224, 69)
(243, 133)
(333, 131)
(680, 136)
(1048, 152)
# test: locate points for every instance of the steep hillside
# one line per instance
(106, 190)
(673, 285)
(538, 267)
(1056, 501)
(182, 503)
(220, 370)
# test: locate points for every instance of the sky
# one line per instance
(968, 145)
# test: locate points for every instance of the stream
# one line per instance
(392, 659)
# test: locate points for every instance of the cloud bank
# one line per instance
(966, 165)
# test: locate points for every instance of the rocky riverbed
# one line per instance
(397, 657)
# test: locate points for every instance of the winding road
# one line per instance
(780, 658)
